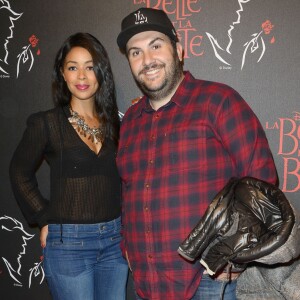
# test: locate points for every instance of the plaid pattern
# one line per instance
(172, 163)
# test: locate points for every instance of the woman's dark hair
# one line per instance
(105, 97)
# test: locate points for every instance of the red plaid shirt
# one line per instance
(172, 162)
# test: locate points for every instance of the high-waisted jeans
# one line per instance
(87, 264)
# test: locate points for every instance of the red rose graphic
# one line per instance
(33, 41)
(267, 26)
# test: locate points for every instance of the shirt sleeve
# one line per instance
(23, 166)
(244, 138)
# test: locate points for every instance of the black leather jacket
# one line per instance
(247, 220)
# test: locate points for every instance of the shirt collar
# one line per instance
(144, 104)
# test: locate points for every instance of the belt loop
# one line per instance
(117, 223)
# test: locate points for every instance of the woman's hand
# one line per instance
(43, 236)
(128, 262)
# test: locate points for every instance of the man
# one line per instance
(179, 146)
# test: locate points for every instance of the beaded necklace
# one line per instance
(94, 134)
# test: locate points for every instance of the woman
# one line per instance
(80, 225)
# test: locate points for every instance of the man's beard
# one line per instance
(171, 80)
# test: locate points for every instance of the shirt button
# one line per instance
(151, 161)
(147, 185)
(150, 256)
(152, 137)
(146, 208)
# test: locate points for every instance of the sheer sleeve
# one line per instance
(24, 164)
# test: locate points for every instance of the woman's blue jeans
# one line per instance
(87, 264)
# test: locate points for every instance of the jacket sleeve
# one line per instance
(215, 222)
(264, 223)
(23, 166)
(273, 209)
(259, 221)
(252, 234)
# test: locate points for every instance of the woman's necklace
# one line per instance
(96, 135)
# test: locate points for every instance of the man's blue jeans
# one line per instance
(87, 264)
(210, 289)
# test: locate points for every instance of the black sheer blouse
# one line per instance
(84, 186)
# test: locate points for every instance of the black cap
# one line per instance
(145, 19)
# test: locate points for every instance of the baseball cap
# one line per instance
(145, 19)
